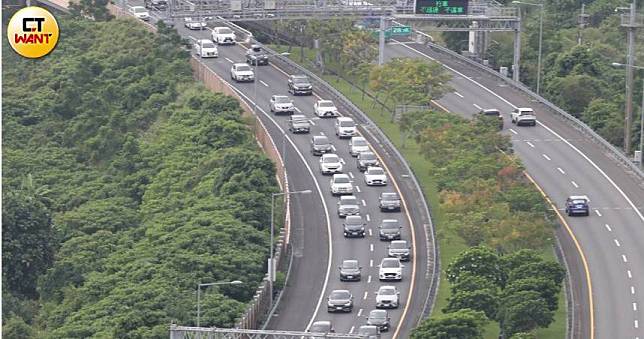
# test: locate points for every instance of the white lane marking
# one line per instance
(297, 109)
(547, 157)
(370, 233)
(368, 217)
(530, 144)
(369, 279)
(634, 305)
(513, 131)
(358, 189)
(477, 106)
(608, 228)
(360, 312)
(263, 83)
(459, 94)
(352, 328)
(560, 170)
(342, 161)
(617, 243)
(632, 289)
(574, 184)
(636, 324)
(193, 38)
(311, 122)
(371, 247)
(598, 213)
(370, 262)
(624, 258)
(332, 147)
(232, 62)
(351, 175)
(629, 274)
(365, 295)
(364, 203)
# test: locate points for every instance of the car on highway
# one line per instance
(492, 114)
(380, 319)
(389, 229)
(348, 205)
(358, 145)
(299, 84)
(194, 24)
(341, 184)
(523, 116)
(390, 269)
(223, 35)
(256, 55)
(399, 249)
(350, 270)
(325, 108)
(206, 48)
(369, 331)
(140, 12)
(387, 297)
(299, 123)
(242, 72)
(159, 5)
(353, 226)
(389, 202)
(578, 205)
(375, 176)
(345, 127)
(322, 327)
(320, 145)
(366, 159)
(340, 301)
(281, 104)
(330, 163)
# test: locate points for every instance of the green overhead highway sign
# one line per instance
(444, 7)
(400, 30)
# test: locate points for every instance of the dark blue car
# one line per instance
(577, 205)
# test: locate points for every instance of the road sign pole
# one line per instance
(381, 42)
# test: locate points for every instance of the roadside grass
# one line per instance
(450, 243)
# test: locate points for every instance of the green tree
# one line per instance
(16, 328)
(546, 288)
(462, 324)
(524, 311)
(93, 9)
(484, 300)
(479, 261)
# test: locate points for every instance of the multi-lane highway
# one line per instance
(564, 162)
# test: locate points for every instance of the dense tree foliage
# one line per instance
(462, 324)
(125, 185)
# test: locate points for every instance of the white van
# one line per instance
(345, 127)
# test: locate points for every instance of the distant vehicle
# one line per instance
(223, 36)
(399, 249)
(206, 49)
(341, 184)
(340, 300)
(389, 201)
(299, 123)
(387, 297)
(330, 163)
(379, 318)
(375, 176)
(348, 205)
(140, 12)
(523, 116)
(390, 269)
(156, 4)
(321, 327)
(345, 127)
(350, 270)
(195, 24)
(370, 331)
(358, 145)
(320, 145)
(325, 108)
(492, 113)
(281, 104)
(299, 84)
(256, 55)
(366, 159)
(389, 229)
(578, 205)
(354, 226)
(242, 72)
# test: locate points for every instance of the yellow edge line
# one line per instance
(579, 249)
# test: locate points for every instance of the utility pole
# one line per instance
(628, 123)
(381, 42)
(581, 20)
(517, 49)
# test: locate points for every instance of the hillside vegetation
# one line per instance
(125, 184)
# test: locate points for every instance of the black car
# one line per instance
(492, 113)
(577, 205)
(380, 319)
(350, 270)
(155, 4)
(320, 144)
(399, 249)
(389, 229)
(299, 84)
(256, 55)
(353, 226)
(299, 124)
(366, 159)
(389, 202)
(340, 300)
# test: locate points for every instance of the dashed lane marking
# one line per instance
(561, 170)
(371, 247)
(632, 289)
(232, 62)
(598, 213)
(370, 262)
(629, 274)
(530, 144)
(546, 156)
(369, 279)
(263, 83)
(624, 258)
(617, 243)
(477, 106)
(459, 94)
(574, 184)
(513, 131)
(364, 203)
(366, 293)
(608, 227)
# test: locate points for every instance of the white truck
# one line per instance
(523, 116)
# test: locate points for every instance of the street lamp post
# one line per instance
(271, 269)
(199, 286)
(641, 159)
(540, 39)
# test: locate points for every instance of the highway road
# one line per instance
(564, 162)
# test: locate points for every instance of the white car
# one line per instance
(195, 24)
(223, 36)
(390, 269)
(330, 163)
(375, 176)
(140, 12)
(281, 104)
(345, 127)
(387, 297)
(341, 184)
(242, 72)
(523, 116)
(325, 108)
(206, 49)
(358, 145)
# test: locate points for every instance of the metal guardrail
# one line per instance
(573, 121)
